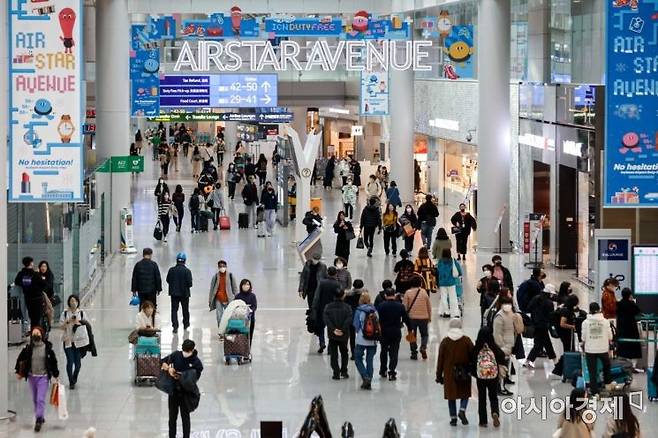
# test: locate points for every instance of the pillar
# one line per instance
(494, 123)
(4, 97)
(112, 100)
(401, 145)
(539, 41)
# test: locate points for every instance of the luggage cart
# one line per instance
(146, 360)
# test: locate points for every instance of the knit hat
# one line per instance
(455, 323)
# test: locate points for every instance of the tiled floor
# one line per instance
(287, 372)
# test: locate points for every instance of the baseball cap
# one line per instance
(181, 257)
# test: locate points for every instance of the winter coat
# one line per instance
(356, 172)
(391, 315)
(465, 222)
(358, 321)
(231, 289)
(217, 198)
(146, 277)
(405, 271)
(338, 315)
(24, 361)
(373, 189)
(540, 308)
(409, 219)
(349, 192)
(444, 272)
(344, 277)
(342, 242)
(422, 308)
(456, 349)
(371, 217)
(426, 269)
(438, 246)
(31, 283)
(310, 220)
(250, 194)
(178, 199)
(503, 331)
(182, 364)
(596, 334)
(268, 200)
(627, 310)
(427, 213)
(574, 428)
(324, 294)
(188, 390)
(305, 277)
(179, 279)
(352, 298)
(608, 304)
(232, 176)
(393, 196)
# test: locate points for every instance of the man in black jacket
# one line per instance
(325, 294)
(146, 280)
(540, 308)
(250, 199)
(427, 214)
(33, 287)
(179, 279)
(371, 219)
(338, 318)
(529, 289)
(314, 271)
(391, 316)
(175, 364)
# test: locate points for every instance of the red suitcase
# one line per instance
(224, 223)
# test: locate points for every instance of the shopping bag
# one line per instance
(359, 243)
(54, 394)
(409, 230)
(134, 301)
(349, 234)
(62, 410)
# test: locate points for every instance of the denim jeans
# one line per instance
(365, 370)
(219, 310)
(270, 218)
(426, 233)
(452, 406)
(72, 361)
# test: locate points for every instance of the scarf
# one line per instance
(455, 334)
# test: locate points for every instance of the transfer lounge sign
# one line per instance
(45, 101)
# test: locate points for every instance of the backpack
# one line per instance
(523, 296)
(371, 330)
(486, 366)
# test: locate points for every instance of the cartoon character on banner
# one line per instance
(444, 24)
(236, 19)
(458, 47)
(360, 21)
(624, 3)
(67, 22)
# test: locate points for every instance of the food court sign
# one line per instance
(45, 101)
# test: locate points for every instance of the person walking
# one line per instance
(220, 149)
(627, 312)
(365, 345)
(418, 306)
(488, 289)
(501, 273)
(139, 141)
(409, 223)
(312, 219)
(344, 234)
(197, 161)
(540, 308)
(374, 189)
(506, 326)
(164, 155)
(177, 364)
(566, 329)
(37, 363)
(222, 290)
(427, 214)
(329, 173)
(165, 208)
(268, 200)
(326, 291)
(178, 199)
(597, 336)
(449, 273)
(194, 205)
(370, 221)
(463, 223)
(160, 189)
(232, 179)
(453, 364)
(343, 169)
(404, 270)
(487, 360)
(48, 281)
(441, 242)
(393, 195)
(261, 169)
(71, 319)
(32, 286)
(352, 298)
(146, 282)
(247, 295)
(217, 202)
(424, 266)
(314, 271)
(391, 229)
(250, 199)
(355, 168)
(392, 315)
(348, 196)
(179, 279)
(338, 317)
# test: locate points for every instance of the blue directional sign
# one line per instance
(219, 91)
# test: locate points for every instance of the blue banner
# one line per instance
(631, 140)
(144, 64)
(301, 26)
(145, 97)
(364, 27)
(459, 49)
(148, 36)
(374, 94)
(218, 26)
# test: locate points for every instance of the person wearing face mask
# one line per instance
(217, 201)
(178, 199)
(373, 188)
(488, 289)
(344, 230)
(165, 208)
(232, 179)
(609, 299)
(249, 297)
(37, 363)
(71, 319)
(32, 286)
(501, 273)
(409, 223)
(371, 220)
(222, 290)
(348, 196)
(463, 223)
(391, 227)
(540, 308)
(268, 200)
(185, 368)
(160, 188)
(506, 325)
(529, 289)
(343, 275)
(448, 273)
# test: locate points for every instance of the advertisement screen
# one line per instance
(645, 270)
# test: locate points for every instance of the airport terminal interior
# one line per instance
(396, 218)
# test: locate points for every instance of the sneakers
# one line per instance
(336, 376)
(414, 356)
(496, 419)
(71, 386)
(366, 385)
(505, 392)
(529, 364)
(392, 376)
(344, 375)
(321, 349)
(453, 422)
(38, 424)
(382, 374)
(462, 417)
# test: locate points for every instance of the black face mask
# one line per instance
(36, 338)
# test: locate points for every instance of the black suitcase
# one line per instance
(243, 220)
(203, 223)
(14, 309)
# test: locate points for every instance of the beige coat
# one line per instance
(422, 308)
(438, 246)
(576, 429)
(505, 327)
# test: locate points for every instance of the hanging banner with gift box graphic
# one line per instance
(46, 98)
(374, 94)
(631, 138)
(149, 35)
(220, 26)
(145, 76)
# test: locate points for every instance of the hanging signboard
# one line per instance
(374, 94)
(631, 138)
(45, 102)
(223, 117)
(613, 248)
(363, 26)
(219, 26)
(459, 49)
(149, 35)
(303, 26)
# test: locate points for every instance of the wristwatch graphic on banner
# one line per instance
(65, 128)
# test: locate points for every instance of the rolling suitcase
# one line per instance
(243, 220)
(15, 323)
(236, 346)
(147, 368)
(652, 390)
(572, 365)
(203, 223)
(224, 223)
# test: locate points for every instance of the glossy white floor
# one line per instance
(287, 372)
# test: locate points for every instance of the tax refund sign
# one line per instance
(631, 148)
(45, 101)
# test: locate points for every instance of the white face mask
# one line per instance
(487, 274)
(409, 210)
(339, 266)
(187, 354)
(222, 269)
(506, 307)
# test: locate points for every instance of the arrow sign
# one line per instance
(267, 99)
(266, 86)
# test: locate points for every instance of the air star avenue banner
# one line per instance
(45, 101)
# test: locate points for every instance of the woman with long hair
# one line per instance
(441, 242)
(572, 424)
(343, 229)
(626, 424)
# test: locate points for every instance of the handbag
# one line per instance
(133, 336)
(55, 300)
(455, 230)
(349, 234)
(134, 301)
(165, 383)
(461, 374)
(62, 410)
(411, 337)
(157, 231)
(359, 243)
(408, 230)
(80, 336)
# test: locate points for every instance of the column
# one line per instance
(112, 100)
(4, 97)
(539, 41)
(494, 122)
(230, 138)
(401, 145)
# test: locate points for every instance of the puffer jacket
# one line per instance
(349, 194)
(370, 217)
(503, 331)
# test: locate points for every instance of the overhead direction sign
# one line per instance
(223, 117)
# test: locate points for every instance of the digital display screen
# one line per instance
(645, 270)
